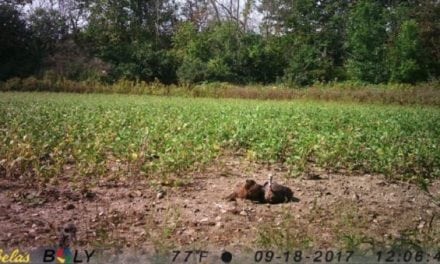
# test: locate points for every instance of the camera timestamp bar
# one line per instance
(300, 256)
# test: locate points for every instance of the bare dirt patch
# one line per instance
(331, 211)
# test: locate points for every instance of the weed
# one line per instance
(287, 235)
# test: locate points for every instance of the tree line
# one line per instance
(297, 42)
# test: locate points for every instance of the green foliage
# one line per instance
(220, 45)
(408, 60)
(187, 43)
(219, 70)
(299, 43)
(260, 60)
(316, 45)
(48, 27)
(366, 40)
(126, 35)
(16, 50)
(191, 71)
(154, 135)
(226, 54)
(428, 20)
(307, 66)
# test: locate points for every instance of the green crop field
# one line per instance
(41, 133)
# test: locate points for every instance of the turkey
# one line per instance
(250, 190)
(275, 193)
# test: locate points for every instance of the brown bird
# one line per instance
(275, 193)
(67, 235)
(250, 191)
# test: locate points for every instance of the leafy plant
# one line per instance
(91, 136)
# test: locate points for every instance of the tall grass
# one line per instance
(423, 94)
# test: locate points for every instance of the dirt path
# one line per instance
(333, 211)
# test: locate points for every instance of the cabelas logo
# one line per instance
(67, 256)
(14, 257)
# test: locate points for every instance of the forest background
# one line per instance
(294, 43)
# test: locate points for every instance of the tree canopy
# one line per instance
(296, 42)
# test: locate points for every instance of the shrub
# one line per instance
(408, 56)
(191, 71)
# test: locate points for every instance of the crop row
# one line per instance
(42, 133)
